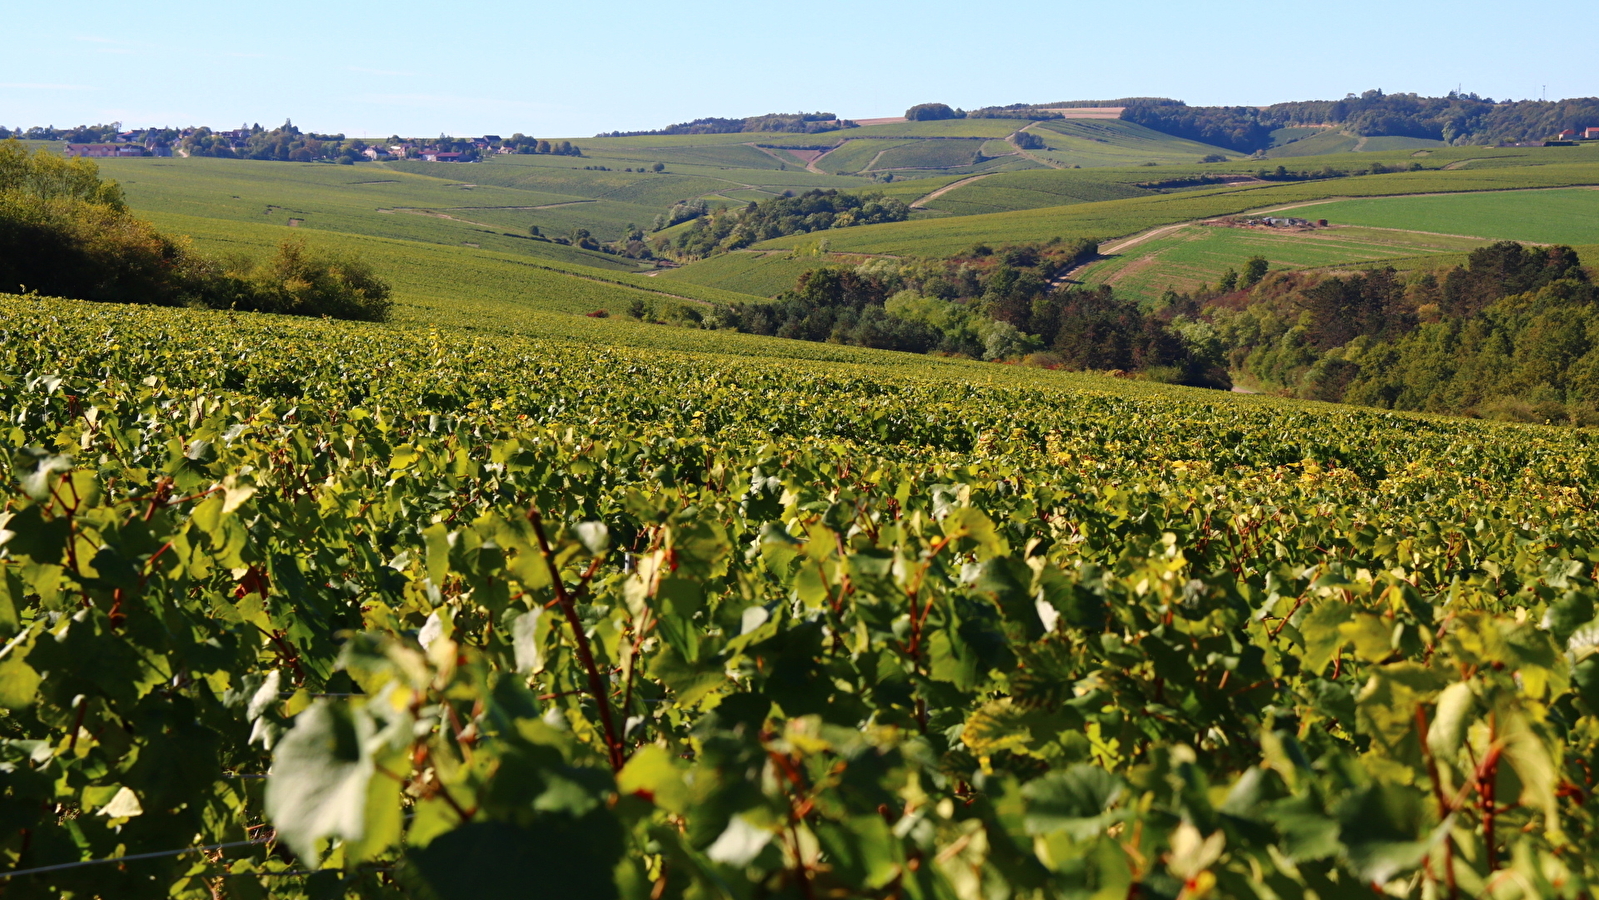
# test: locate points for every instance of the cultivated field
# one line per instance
(1549, 217)
(1116, 218)
(616, 609)
(746, 272)
(1115, 143)
(1192, 255)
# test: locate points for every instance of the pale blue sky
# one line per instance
(570, 69)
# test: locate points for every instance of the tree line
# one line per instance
(1458, 118)
(719, 231)
(793, 123)
(991, 304)
(66, 232)
(1511, 334)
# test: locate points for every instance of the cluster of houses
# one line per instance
(148, 143)
(128, 143)
(1572, 134)
(482, 145)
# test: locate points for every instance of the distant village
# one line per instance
(285, 143)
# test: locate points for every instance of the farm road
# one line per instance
(1114, 247)
(1134, 240)
(922, 203)
(809, 166)
(1037, 159)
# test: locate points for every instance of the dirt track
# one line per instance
(922, 203)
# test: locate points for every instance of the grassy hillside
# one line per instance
(1192, 255)
(1322, 142)
(1111, 142)
(454, 285)
(1114, 218)
(761, 274)
(1551, 217)
(1032, 190)
(440, 207)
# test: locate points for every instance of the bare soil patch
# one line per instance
(1090, 112)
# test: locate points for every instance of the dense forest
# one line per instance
(1455, 118)
(794, 123)
(816, 210)
(1001, 305)
(1513, 334)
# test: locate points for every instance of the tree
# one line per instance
(658, 167)
(1254, 270)
(930, 112)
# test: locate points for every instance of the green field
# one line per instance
(1193, 255)
(1033, 189)
(461, 286)
(364, 199)
(1548, 217)
(1321, 142)
(939, 154)
(1115, 218)
(856, 156)
(1112, 142)
(760, 274)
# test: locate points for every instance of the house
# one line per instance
(98, 151)
(371, 153)
(492, 138)
(1591, 134)
(1570, 134)
(446, 156)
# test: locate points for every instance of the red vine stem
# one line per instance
(585, 655)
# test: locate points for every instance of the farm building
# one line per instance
(98, 151)
(1570, 134)
(1591, 134)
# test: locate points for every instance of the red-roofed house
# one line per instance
(1591, 134)
(1570, 134)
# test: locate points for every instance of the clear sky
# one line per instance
(570, 69)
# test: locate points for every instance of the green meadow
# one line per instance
(1194, 255)
(1547, 217)
(1115, 218)
(745, 272)
(1111, 142)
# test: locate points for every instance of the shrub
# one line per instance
(303, 282)
(66, 232)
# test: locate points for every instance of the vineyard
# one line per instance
(1114, 218)
(297, 608)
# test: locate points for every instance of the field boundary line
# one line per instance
(922, 203)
